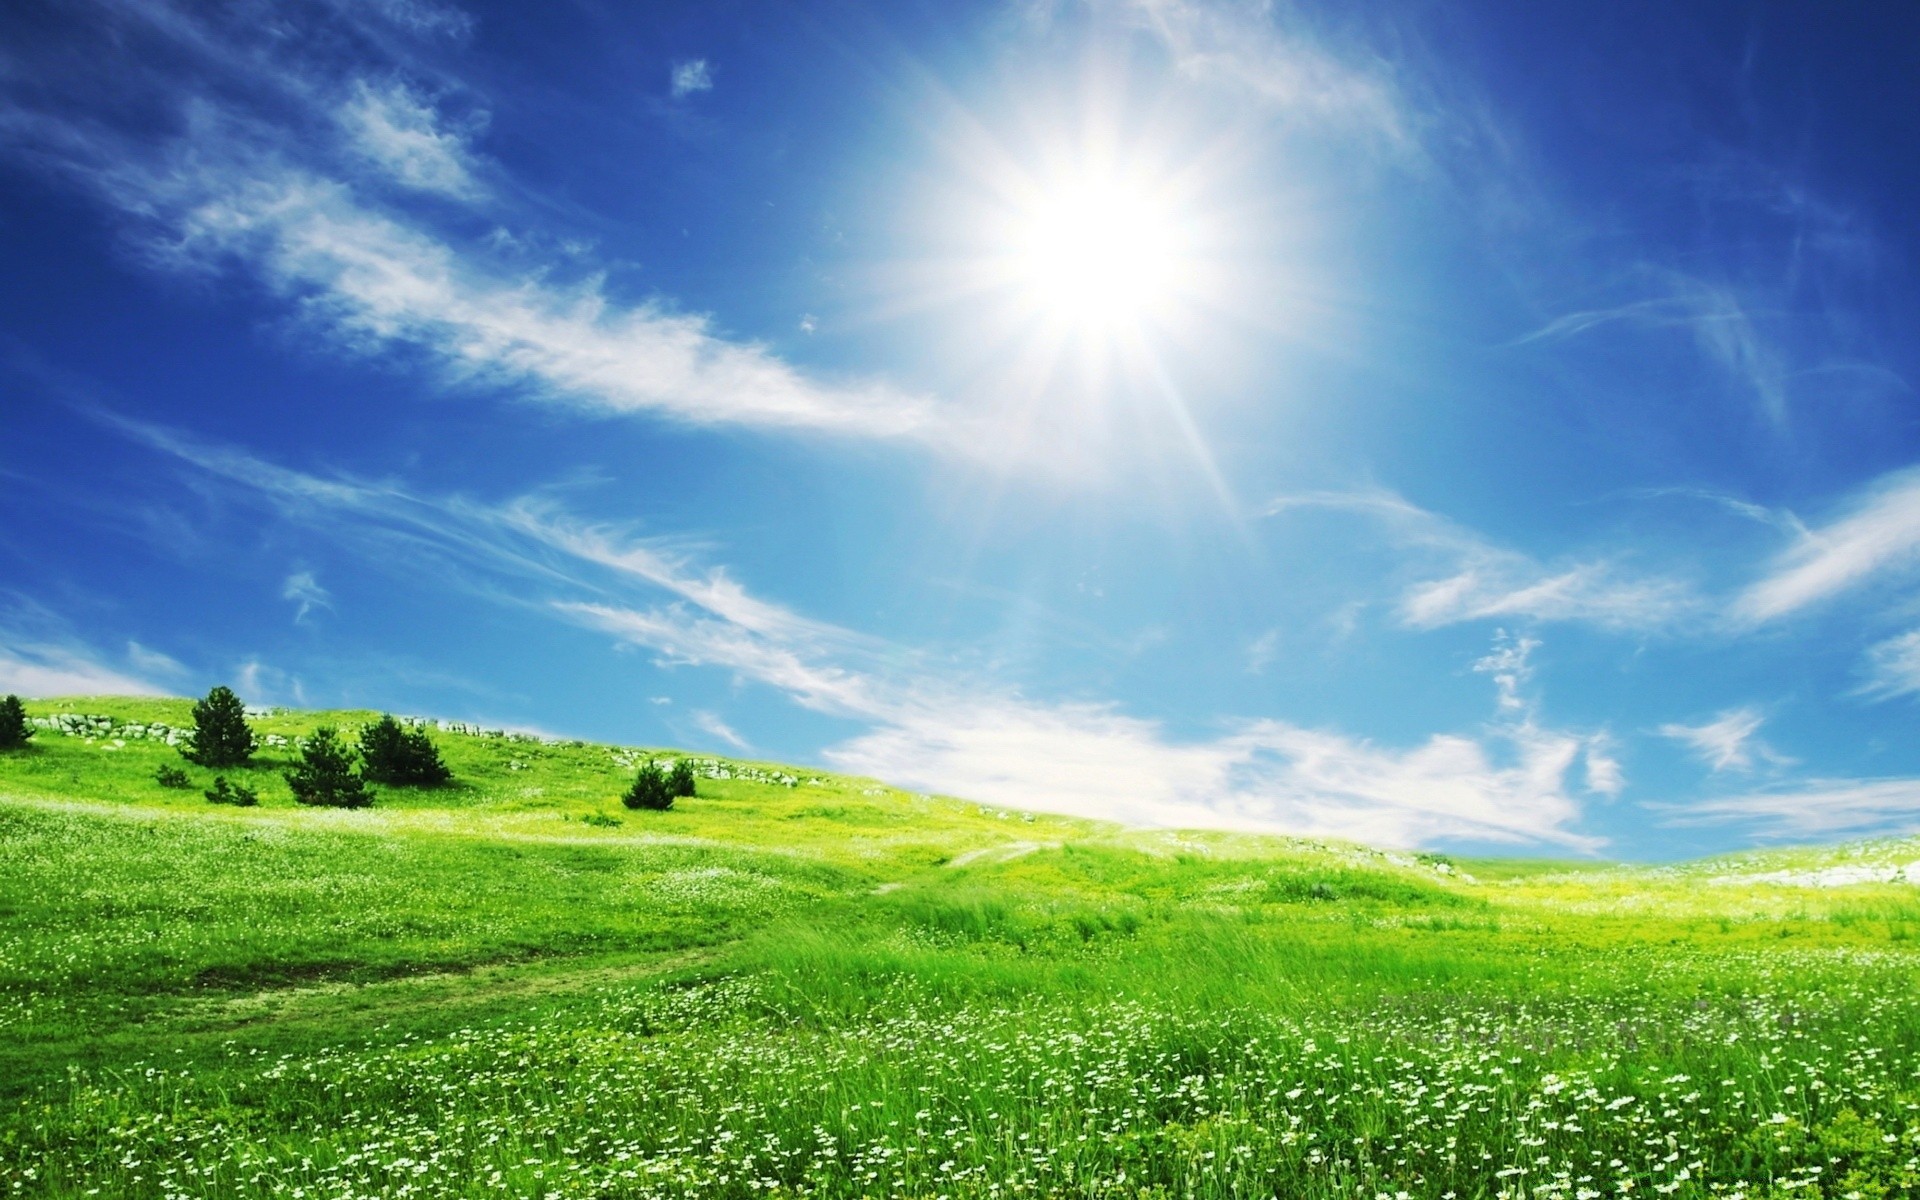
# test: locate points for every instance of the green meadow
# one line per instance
(802, 984)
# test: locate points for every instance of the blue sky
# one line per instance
(1483, 426)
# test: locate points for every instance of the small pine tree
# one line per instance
(238, 794)
(650, 790)
(680, 779)
(325, 774)
(170, 776)
(14, 730)
(394, 754)
(220, 735)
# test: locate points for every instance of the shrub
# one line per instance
(404, 757)
(650, 790)
(325, 774)
(680, 779)
(223, 792)
(170, 776)
(14, 730)
(220, 735)
(602, 820)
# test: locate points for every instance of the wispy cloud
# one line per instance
(927, 727)
(689, 76)
(1893, 667)
(1507, 664)
(41, 668)
(1876, 534)
(712, 725)
(1264, 52)
(1482, 581)
(1728, 742)
(1817, 809)
(1716, 319)
(404, 135)
(1774, 518)
(263, 683)
(150, 662)
(375, 283)
(245, 187)
(41, 656)
(1605, 776)
(305, 591)
(1264, 775)
(974, 740)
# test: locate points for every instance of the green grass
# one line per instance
(803, 984)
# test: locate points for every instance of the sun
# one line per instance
(1097, 254)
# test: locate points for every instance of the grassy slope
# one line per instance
(959, 1000)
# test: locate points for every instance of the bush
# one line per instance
(680, 779)
(14, 730)
(220, 735)
(223, 792)
(325, 774)
(170, 776)
(602, 820)
(404, 757)
(650, 790)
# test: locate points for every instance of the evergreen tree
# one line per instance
(170, 776)
(325, 774)
(223, 792)
(680, 779)
(220, 735)
(397, 755)
(14, 730)
(650, 790)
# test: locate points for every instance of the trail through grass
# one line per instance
(801, 984)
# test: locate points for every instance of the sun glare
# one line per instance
(1097, 255)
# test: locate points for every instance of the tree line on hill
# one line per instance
(328, 772)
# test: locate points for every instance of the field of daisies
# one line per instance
(794, 984)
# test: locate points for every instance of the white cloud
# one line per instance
(40, 668)
(1605, 776)
(690, 76)
(1727, 743)
(402, 134)
(149, 661)
(305, 591)
(790, 664)
(712, 724)
(244, 187)
(1820, 809)
(1774, 518)
(1877, 533)
(1893, 666)
(261, 683)
(973, 740)
(931, 729)
(1589, 593)
(1267, 775)
(1713, 315)
(374, 283)
(1483, 581)
(1507, 664)
(1251, 49)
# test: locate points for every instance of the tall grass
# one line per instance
(786, 990)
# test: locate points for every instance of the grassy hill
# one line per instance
(804, 984)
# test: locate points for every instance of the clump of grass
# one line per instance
(236, 794)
